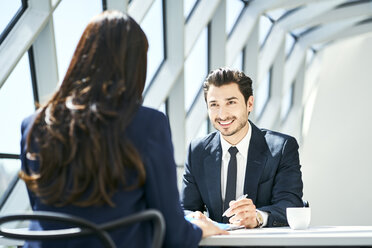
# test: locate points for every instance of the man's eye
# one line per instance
(231, 102)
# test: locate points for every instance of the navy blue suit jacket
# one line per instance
(272, 179)
(150, 134)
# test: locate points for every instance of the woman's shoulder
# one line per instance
(147, 129)
(27, 122)
(149, 111)
(149, 116)
(147, 122)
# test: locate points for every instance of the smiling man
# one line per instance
(258, 167)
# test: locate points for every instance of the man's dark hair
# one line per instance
(223, 76)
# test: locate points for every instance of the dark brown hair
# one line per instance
(223, 76)
(82, 148)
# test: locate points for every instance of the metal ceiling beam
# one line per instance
(307, 14)
(280, 29)
(198, 113)
(198, 21)
(121, 5)
(241, 32)
(353, 31)
(159, 90)
(271, 114)
(248, 20)
(24, 33)
(139, 8)
(46, 65)
(268, 5)
(335, 23)
(322, 34)
(339, 14)
(176, 97)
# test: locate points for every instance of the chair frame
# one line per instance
(82, 227)
(146, 215)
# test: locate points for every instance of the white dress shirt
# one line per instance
(241, 159)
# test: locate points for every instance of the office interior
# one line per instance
(310, 62)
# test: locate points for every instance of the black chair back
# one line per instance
(82, 227)
(146, 215)
(79, 224)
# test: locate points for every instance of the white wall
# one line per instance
(336, 152)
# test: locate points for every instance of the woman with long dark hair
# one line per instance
(93, 151)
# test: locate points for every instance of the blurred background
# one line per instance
(310, 62)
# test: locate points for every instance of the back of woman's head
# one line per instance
(109, 62)
(80, 135)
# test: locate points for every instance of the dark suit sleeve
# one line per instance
(287, 187)
(161, 186)
(190, 197)
(23, 146)
(26, 165)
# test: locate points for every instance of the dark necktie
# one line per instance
(231, 180)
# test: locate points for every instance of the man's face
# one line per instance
(228, 111)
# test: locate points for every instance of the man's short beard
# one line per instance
(231, 133)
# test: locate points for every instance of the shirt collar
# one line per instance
(242, 146)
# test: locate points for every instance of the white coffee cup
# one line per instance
(299, 218)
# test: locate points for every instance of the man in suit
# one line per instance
(240, 159)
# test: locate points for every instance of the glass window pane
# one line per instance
(70, 20)
(196, 68)
(262, 95)
(233, 10)
(152, 25)
(8, 170)
(16, 102)
(188, 5)
(238, 63)
(264, 29)
(7, 11)
(287, 102)
(203, 130)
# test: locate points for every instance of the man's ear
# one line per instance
(250, 104)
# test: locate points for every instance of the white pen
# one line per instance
(241, 197)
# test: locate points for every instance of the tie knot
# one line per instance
(233, 150)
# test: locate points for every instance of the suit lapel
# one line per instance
(255, 163)
(212, 167)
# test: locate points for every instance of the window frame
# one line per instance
(13, 21)
(269, 94)
(14, 181)
(8, 191)
(165, 55)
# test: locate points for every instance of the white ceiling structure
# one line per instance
(322, 22)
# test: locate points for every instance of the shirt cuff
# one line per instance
(265, 216)
(186, 212)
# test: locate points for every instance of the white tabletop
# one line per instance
(284, 236)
